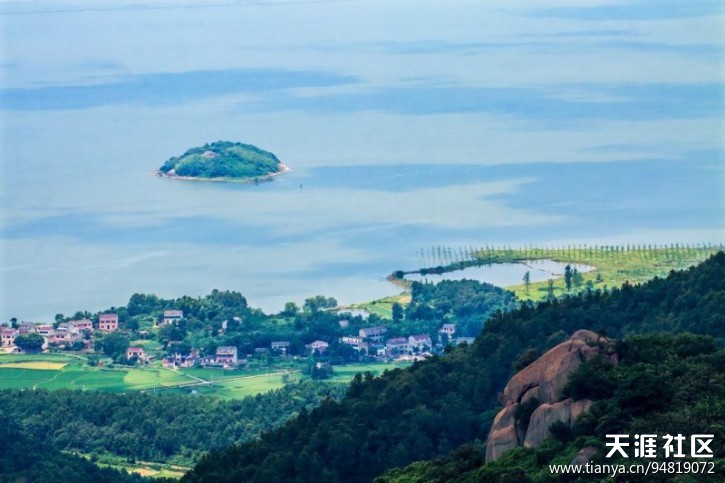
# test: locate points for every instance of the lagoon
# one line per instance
(505, 274)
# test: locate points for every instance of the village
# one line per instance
(369, 343)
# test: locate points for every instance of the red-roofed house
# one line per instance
(108, 322)
(137, 352)
(7, 336)
(79, 325)
(226, 355)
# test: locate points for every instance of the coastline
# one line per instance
(283, 168)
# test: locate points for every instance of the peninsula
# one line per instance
(223, 161)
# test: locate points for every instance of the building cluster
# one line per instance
(374, 342)
(67, 334)
(226, 357)
(64, 335)
(371, 341)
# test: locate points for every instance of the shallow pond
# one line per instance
(505, 274)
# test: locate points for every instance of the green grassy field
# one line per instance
(210, 374)
(344, 374)
(143, 468)
(383, 307)
(237, 387)
(223, 384)
(613, 266)
(76, 375)
(220, 384)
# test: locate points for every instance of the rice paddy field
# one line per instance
(54, 371)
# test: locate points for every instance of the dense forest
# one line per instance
(442, 403)
(154, 427)
(24, 459)
(664, 384)
(223, 159)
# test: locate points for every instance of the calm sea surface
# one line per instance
(407, 125)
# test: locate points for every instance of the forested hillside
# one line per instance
(664, 384)
(154, 427)
(444, 402)
(24, 459)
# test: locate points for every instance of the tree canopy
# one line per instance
(223, 159)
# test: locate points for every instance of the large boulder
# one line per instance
(566, 411)
(544, 381)
(504, 433)
(546, 377)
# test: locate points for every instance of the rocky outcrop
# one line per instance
(566, 411)
(584, 456)
(546, 377)
(504, 433)
(544, 381)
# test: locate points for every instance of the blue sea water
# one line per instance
(406, 124)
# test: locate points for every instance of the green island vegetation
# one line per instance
(440, 404)
(224, 161)
(613, 264)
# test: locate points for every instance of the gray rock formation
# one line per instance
(544, 381)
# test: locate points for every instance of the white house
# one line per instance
(172, 316)
(318, 345)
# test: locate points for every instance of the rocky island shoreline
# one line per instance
(223, 161)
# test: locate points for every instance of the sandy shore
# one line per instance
(283, 168)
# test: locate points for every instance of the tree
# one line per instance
(319, 302)
(550, 289)
(397, 312)
(30, 343)
(132, 324)
(567, 277)
(113, 345)
(527, 280)
(290, 309)
(577, 278)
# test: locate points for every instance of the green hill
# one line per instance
(223, 160)
(29, 459)
(440, 404)
(665, 384)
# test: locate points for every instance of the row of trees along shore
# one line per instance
(447, 255)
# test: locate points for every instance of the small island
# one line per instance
(223, 161)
